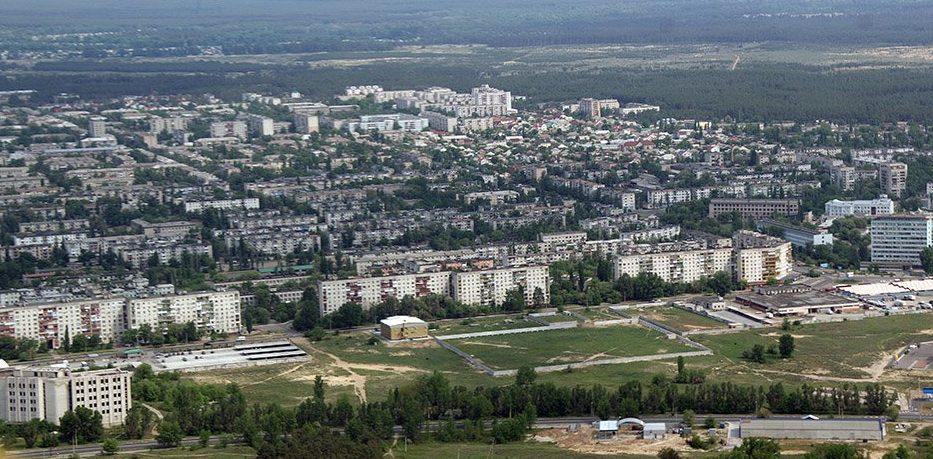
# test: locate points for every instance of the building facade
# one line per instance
(47, 393)
(897, 240)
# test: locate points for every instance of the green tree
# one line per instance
(786, 345)
(170, 434)
(834, 451)
(926, 259)
(110, 446)
(525, 376)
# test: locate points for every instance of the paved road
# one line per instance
(540, 423)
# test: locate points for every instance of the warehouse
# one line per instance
(813, 429)
(403, 327)
(797, 303)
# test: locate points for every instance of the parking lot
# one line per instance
(919, 358)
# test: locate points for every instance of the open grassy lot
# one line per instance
(679, 319)
(595, 314)
(567, 345)
(556, 318)
(856, 349)
(480, 324)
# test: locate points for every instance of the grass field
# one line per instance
(567, 345)
(479, 324)
(556, 318)
(595, 314)
(852, 349)
(680, 319)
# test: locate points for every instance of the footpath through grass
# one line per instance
(555, 347)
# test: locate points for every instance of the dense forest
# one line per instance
(758, 91)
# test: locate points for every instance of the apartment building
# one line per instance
(759, 258)
(590, 108)
(50, 323)
(54, 225)
(494, 197)
(306, 123)
(490, 287)
(368, 291)
(400, 121)
(869, 207)
(158, 125)
(222, 204)
(170, 230)
(682, 266)
(260, 126)
(755, 208)
(236, 129)
(97, 127)
(441, 121)
(217, 311)
(47, 393)
(897, 240)
(893, 178)
(138, 255)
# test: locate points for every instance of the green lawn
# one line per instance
(567, 345)
(840, 349)
(680, 319)
(595, 314)
(479, 324)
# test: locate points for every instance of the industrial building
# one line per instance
(813, 429)
(797, 235)
(403, 327)
(795, 300)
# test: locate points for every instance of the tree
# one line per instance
(514, 300)
(668, 453)
(902, 452)
(689, 418)
(755, 354)
(170, 434)
(834, 451)
(31, 430)
(204, 438)
(786, 345)
(82, 425)
(756, 448)
(110, 446)
(926, 259)
(525, 376)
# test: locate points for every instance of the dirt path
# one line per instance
(290, 370)
(355, 379)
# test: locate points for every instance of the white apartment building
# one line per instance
(490, 287)
(897, 240)
(759, 257)
(48, 239)
(50, 322)
(158, 125)
(880, 206)
(47, 393)
(218, 311)
(893, 177)
(222, 204)
(681, 266)
(368, 291)
(494, 197)
(306, 123)
(441, 121)
(236, 129)
(486, 95)
(400, 121)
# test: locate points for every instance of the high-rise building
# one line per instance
(47, 393)
(97, 127)
(306, 123)
(589, 108)
(261, 126)
(897, 240)
(893, 177)
(217, 311)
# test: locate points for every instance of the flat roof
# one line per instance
(401, 320)
(808, 299)
(880, 288)
(855, 429)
